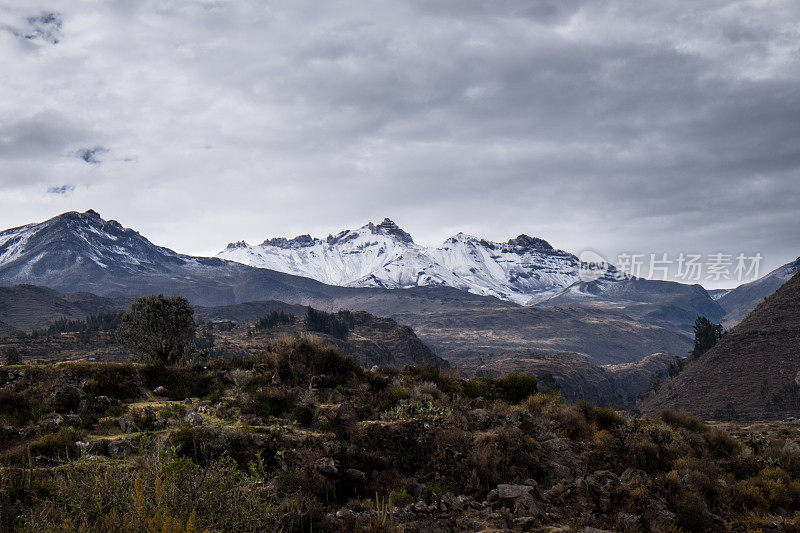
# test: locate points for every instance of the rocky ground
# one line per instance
(300, 438)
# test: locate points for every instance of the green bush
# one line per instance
(334, 324)
(604, 417)
(11, 356)
(267, 402)
(473, 389)
(517, 387)
(683, 419)
(272, 319)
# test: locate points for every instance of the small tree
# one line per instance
(12, 356)
(706, 335)
(158, 327)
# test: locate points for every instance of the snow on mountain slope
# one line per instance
(522, 270)
(71, 241)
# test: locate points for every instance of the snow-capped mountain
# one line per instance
(524, 270)
(78, 241)
(81, 252)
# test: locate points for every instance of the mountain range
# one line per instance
(463, 298)
(524, 270)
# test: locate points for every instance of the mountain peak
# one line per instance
(528, 243)
(388, 227)
(300, 241)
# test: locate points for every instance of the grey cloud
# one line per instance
(90, 155)
(61, 189)
(615, 124)
(43, 27)
(43, 134)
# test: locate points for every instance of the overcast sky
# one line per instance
(662, 126)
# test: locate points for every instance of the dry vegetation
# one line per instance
(300, 438)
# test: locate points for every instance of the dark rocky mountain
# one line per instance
(754, 370)
(738, 302)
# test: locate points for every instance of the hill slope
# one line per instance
(738, 302)
(753, 372)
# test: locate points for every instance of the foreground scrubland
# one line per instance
(301, 438)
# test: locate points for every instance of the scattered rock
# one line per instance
(326, 465)
(127, 425)
(119, 448)
(451, 503)
(355, 475)
(512, 492)
(52, 421)
(194, 419)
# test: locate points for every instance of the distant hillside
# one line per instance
(453, 323)
(752, 373)
(606, 336)
(26, 307)
(371, 340)
(740, 301)
(578, 378)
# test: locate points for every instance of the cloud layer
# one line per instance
(619, 125)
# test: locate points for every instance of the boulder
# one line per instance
(194, 419)
(126, 424)
(161, 391)
(52, 421)
(355, 475)
(119, 448)
(512, 492)
(326, 465)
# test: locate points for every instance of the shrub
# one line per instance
(426, 391)
(272, 319)
(15, 408)
(11, 356)
(472, 389)
(55, 444)
(683, 419)
(721, 444)
(398, 392)
(573, 423)
(517, 387)
(335, 325)
(112, 380)
(604, 417)
(401, 497)
(267, 402)
(305, 414)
